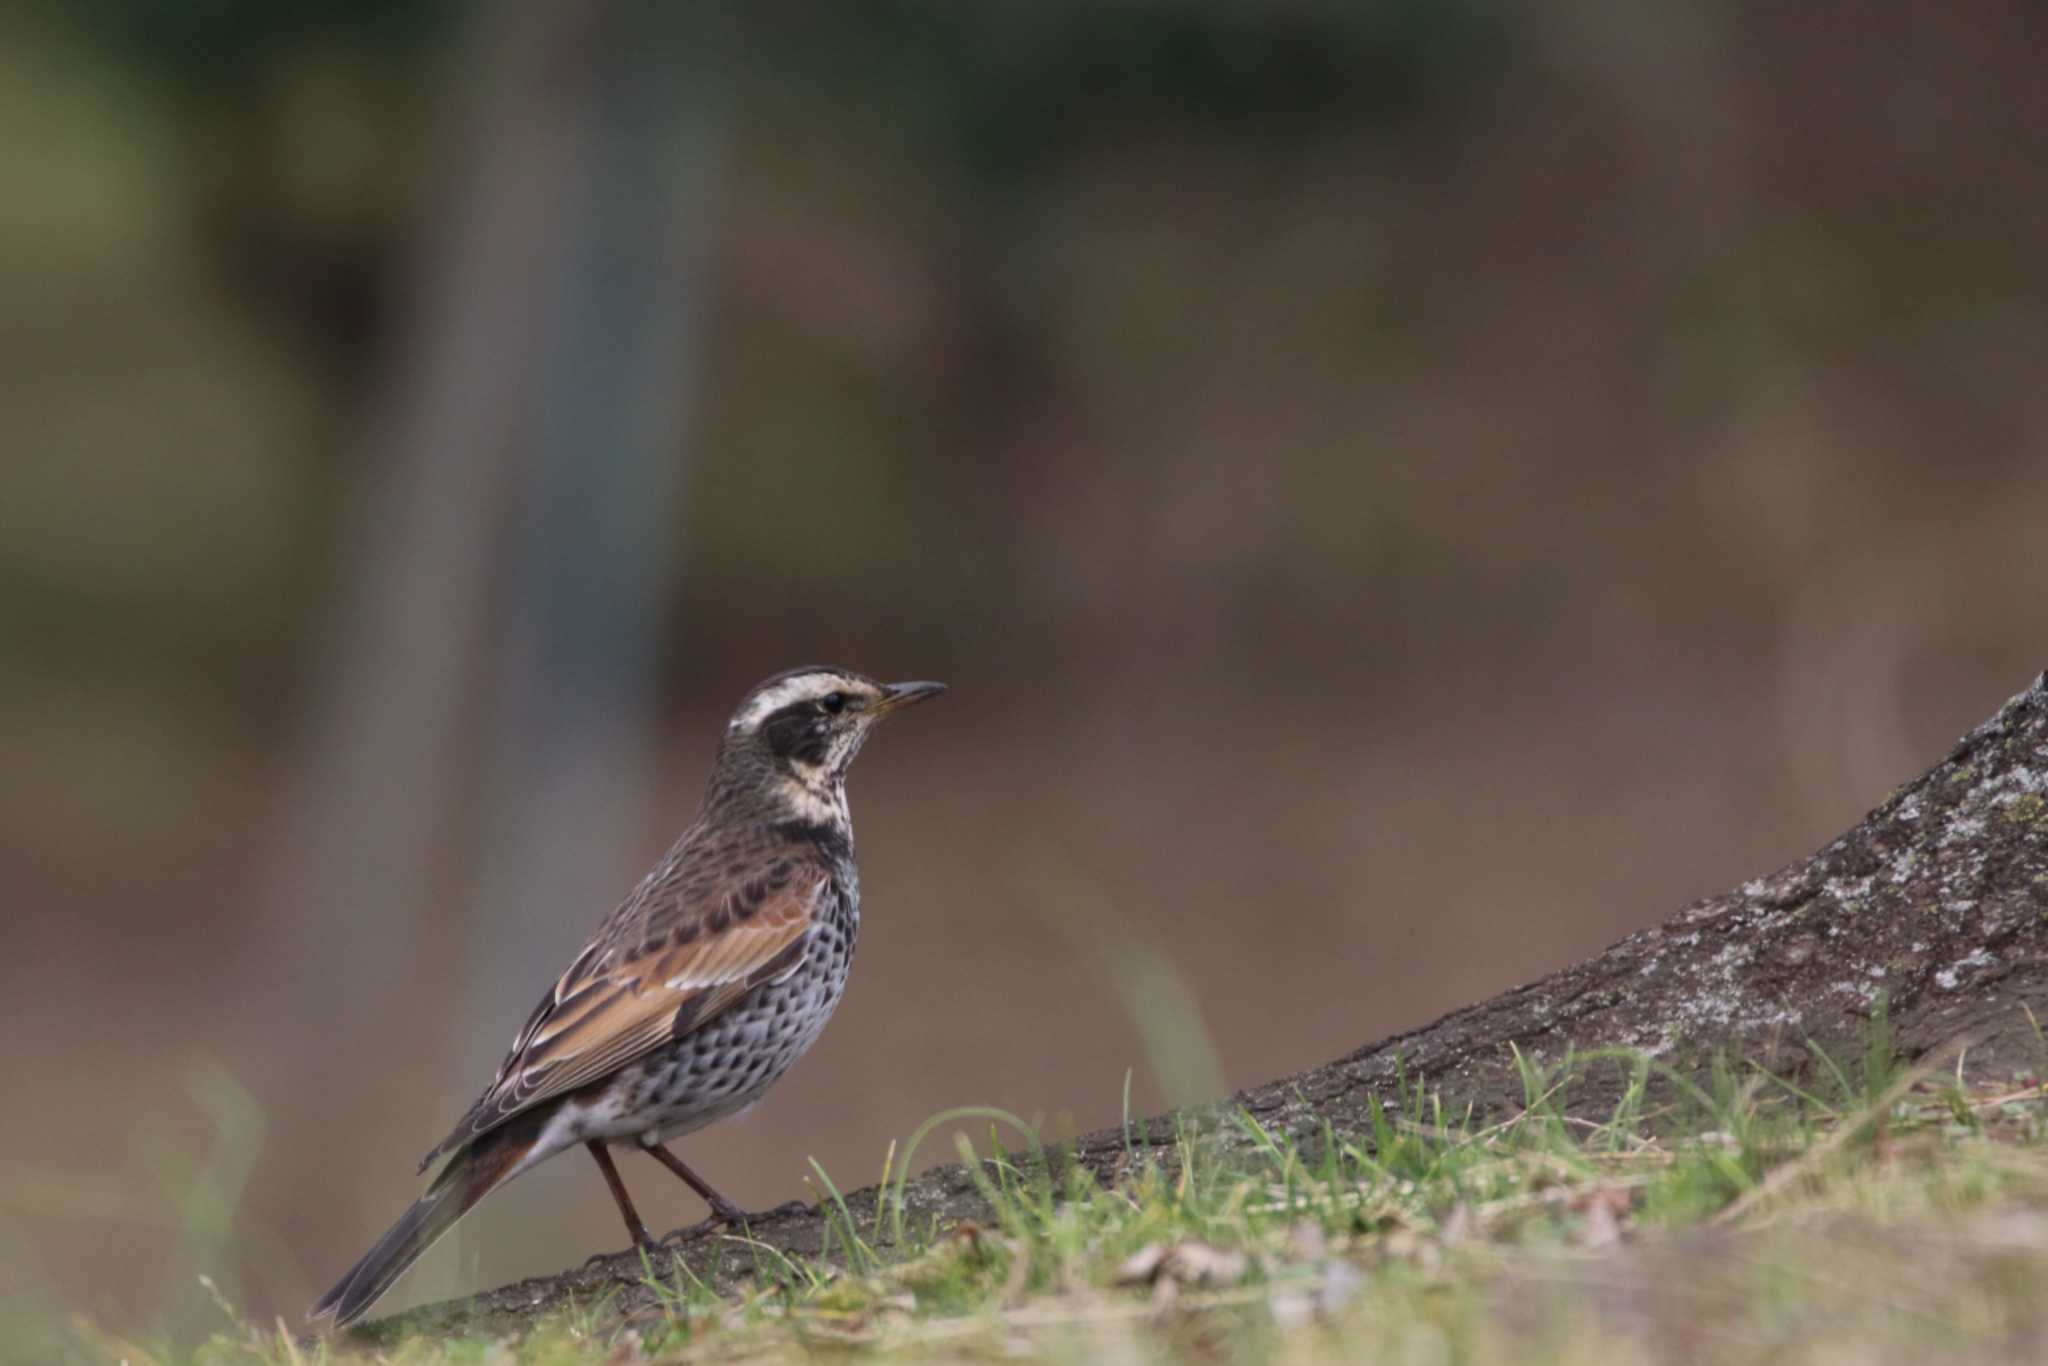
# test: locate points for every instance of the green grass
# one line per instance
(1865, 1212)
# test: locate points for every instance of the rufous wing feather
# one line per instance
(612, 1006)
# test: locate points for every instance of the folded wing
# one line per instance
(619, 1001)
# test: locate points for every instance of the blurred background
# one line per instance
(1404, 493)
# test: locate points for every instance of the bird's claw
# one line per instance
(690, 1233)
(645, 1245)
(725, 1215)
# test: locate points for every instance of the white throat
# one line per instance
(812, 794)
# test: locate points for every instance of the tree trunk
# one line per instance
(1936, 903)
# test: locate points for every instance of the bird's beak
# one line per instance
(896, 695)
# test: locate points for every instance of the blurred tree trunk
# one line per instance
(496, 645)
(570, 763)
(1938, 901)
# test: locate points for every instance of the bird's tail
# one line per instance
(474, 1173)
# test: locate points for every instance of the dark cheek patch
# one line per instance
(794, 733)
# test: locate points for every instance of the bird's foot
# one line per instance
(690, 1233)
(724, 1214)
(645, 1245)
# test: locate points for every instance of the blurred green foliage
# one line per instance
(1006, 89)
(214, 45)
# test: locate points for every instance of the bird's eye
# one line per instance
(833, 702)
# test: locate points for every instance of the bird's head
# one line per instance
(804, 726)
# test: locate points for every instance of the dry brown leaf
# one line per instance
(1187, 1262)
(1601, 1228)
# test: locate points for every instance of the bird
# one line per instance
(714, 975)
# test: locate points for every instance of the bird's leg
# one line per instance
(637, 1230)
(723, 1211)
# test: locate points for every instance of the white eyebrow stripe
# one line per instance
(782, 694)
